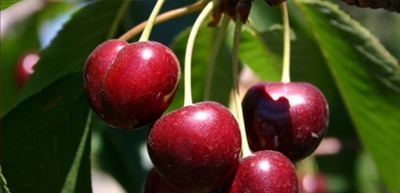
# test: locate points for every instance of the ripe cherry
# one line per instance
(265, 172)
(25, 67)
(156, 184)
(130, 85)
(288, 117)
(197, 147)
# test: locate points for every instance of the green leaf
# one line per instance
(41, 136)
(79, 174)
(7, 3)
(21, 39)
(368, 79)
(222, 76)
(257, 53)
(68, 52)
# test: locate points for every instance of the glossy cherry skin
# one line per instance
(288, 117)
(197, 147)
(130, 85)
(25, 67)
(265, 172)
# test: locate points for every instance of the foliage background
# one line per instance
(46, 126)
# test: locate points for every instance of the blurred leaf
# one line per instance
(391, 5)
(367, 177)
(368, 79)
(122, 155)
(7, 3)
(222, 77)
(73, 44)
(12, 50)
(21, 38)
(40, 138)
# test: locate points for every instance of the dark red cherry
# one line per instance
(197, 147)
(130, 85)
(25, 67)
(265, 172)
(288, 117)
(156, 184)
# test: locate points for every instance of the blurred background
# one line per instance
(119, 158)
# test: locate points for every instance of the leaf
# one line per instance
(79, 174)
(7, 3)
(13, 49)
(40, 138)
(368, 79)
(266, 62)
(391, 5)
(67, 53)
(222, 76)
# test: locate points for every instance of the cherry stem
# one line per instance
(149, 26)
(308, 165)
(189, 51)
(236, 95)
(213, 57)
(286, 46)
(162, 18)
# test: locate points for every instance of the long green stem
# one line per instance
(214, 53)
(3, 182)
(149, 26)
(236, 95)
(286, 48)
(189, 51)
(164, 17)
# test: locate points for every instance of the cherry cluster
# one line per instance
(199, 147)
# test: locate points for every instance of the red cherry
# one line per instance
(288, 117)
(156, 184)
(25, 67)
(265, 172)
(197, 147)
(130, 85)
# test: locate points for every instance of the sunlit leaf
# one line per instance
(368, 79)
(7, 3)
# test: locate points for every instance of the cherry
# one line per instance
(130, 85)
(288, 117)
(197, 147)
(313, 183)
(25, 66)
(156, 184)
(274, 2)
(265, 172)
